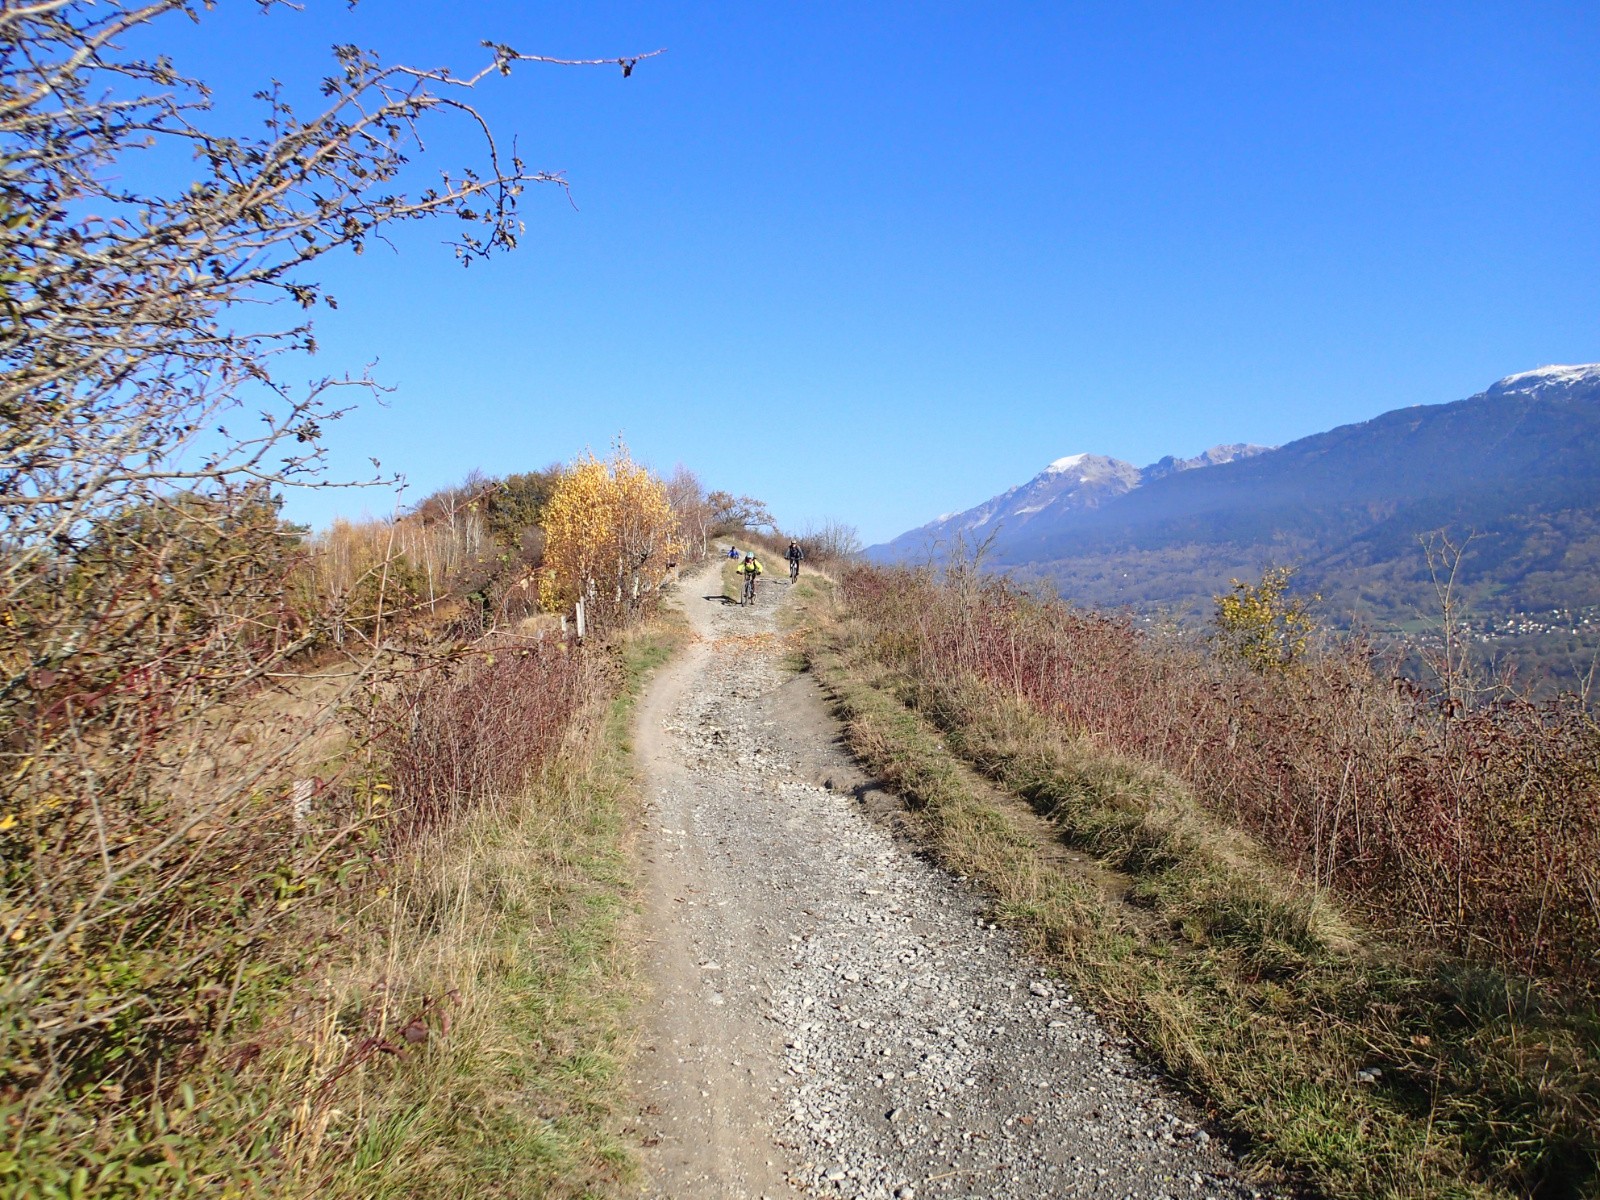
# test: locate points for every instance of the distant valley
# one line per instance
(1513, 472)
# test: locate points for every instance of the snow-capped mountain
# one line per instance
(1074, 484)
(1543, 379)
(1077, 481)
(1512, 472)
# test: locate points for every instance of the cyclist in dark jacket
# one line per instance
(794, 554)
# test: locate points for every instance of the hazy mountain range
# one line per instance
(1516, 468)
(1067, 486)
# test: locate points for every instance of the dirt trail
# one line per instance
(831, 1015)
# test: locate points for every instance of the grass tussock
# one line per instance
(1364, 1066)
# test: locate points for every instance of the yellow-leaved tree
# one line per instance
(1262, 625)
(610, 535)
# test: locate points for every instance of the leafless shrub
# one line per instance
(476, 731)
(832, 541)
(440, 560)
(738, 515)
(694, 511)
(1471, 829)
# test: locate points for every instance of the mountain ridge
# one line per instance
(1512, 471)
(1072, 483)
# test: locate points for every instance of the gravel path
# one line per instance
(831, 1015)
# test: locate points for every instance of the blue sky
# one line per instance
(880, 261)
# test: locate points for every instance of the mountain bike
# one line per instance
(794, 569)
(748, 594)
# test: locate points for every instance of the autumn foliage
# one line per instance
(1262, 625)
(611, 536)
(185, 804)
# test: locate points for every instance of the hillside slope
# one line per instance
(1516, 467)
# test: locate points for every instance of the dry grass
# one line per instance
(497, 949)
(495, 966)
(1469, 830)
(1250, 987)
(432, 996)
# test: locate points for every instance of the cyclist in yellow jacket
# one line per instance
(750, 570)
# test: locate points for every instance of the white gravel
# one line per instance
(909, 1050)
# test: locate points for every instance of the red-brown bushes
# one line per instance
(479, 729)
(1478, 831)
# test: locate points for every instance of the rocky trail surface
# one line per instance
(830, 1015)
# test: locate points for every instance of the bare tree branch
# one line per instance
(148, 585)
